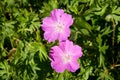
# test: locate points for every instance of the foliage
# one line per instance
(24, 54)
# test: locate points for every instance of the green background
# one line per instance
(24, 53)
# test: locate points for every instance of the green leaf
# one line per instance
(35, 47)
(116, 10)
(82, 24)
(48, 7)
(106, 31)
(116, 18)
(99, 40)
(85, 32)
(101, 62)
(88, 71)
(102, 11)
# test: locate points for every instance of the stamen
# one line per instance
(59, 27)
(66, 58)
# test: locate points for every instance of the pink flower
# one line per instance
(57, 26)
(65, 56)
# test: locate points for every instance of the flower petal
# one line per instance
(56, 14)
(69, 45)
(64, 35)
(56, 51)
(65, 56)
(48, 24)
(77, 51)
(50, 36)
(56, 27)
(66, 45)
(67, 20)
(58, 66)
(72, 66)
(55, 56)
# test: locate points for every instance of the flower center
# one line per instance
(66, 58)
(59, 27)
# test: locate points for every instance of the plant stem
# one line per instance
(113, 39)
